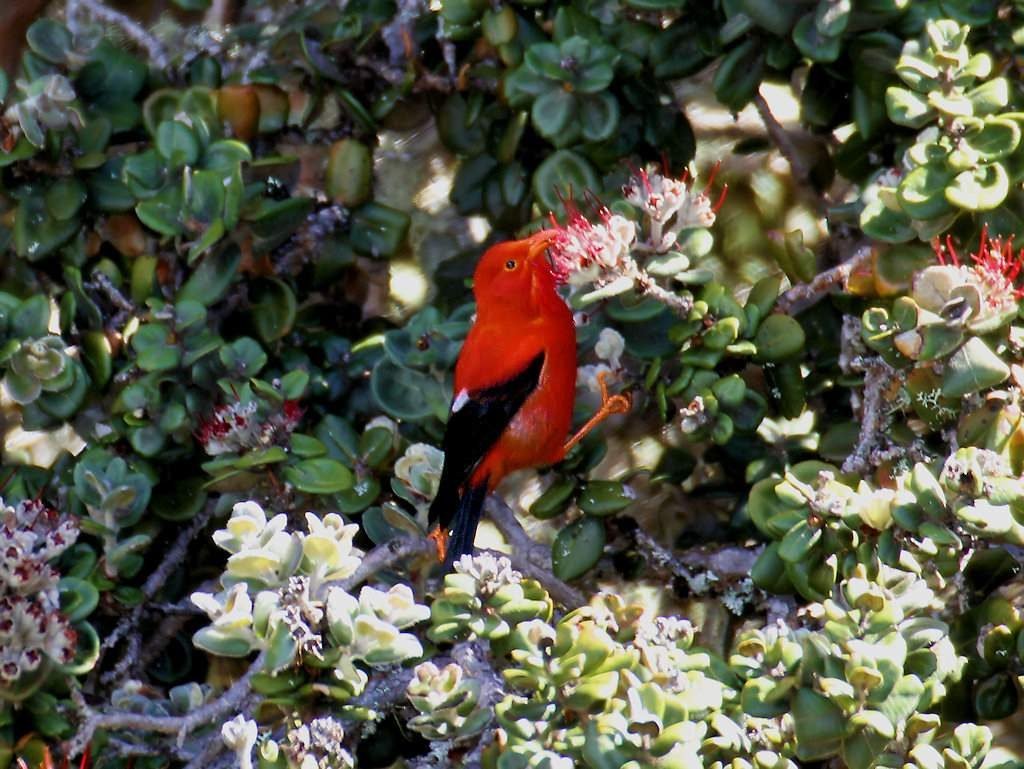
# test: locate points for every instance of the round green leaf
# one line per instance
(552, 113)
(320, 475)
(273, 309)
(577, 548)
(600, 116)
(177, 143)
(563, 174)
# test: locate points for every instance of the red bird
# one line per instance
(515, 383)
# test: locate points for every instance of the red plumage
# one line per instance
(515, 383)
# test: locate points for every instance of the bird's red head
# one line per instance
(515, 271)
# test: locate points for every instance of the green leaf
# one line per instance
(813, 42)
(884, 224)
(799, 541)
(601, 498)
(903, 700)
(973, 368)
(989, 97)
(820, 726)
(155, 349)
(562, 175)
(162, 213)
(577, 548)
(599, 116)
(739, 75)
(922, 192)
(907, 108)
(78, 598)
(50, 39)
(779, 338)
(273, 309)
(213, 276)
(177, 143)
(319, 475)
(552, 113)
(378, 230)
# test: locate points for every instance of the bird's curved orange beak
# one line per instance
(537, 244)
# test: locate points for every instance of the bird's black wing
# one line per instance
(476, 421)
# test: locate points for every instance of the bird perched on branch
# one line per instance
(515, 383)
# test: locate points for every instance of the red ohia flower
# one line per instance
(994, 266)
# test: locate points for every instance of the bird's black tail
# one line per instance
(464, 523)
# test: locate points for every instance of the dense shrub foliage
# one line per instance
(231, 300)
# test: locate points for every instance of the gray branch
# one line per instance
(172, 559)
(384, 556)
(877, 376)
(131, 28)
(802, 296)
(209, 714)
(781, 138)
(679, 304)
(531, 558)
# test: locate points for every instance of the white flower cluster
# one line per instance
(318, 745)
(490, 572)
(280, 592)
(669, 205)
(32, 629)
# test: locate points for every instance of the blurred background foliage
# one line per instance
(236, 240)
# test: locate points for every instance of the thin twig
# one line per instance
(119, 300)
(679, 304)
(877, 376)
(802, 296)
(131, 28)
(425, 79)
(384, 692)
(780, 136)
(172, 560)
(477, 660)
(724, 564)
(530, 557)
(384, 557)
(209, 714)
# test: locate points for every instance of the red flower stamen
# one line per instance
(721, 199)
(995, 265)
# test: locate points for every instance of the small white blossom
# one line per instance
(419, 468)
(239, 735)
(318, 745)
(610, 346)
(491, 572)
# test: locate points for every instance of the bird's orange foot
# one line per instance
(610, 404)
(439, 537)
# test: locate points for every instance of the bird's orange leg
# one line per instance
(610, 404)
(439, 537)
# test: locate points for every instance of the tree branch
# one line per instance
(802, 296)
(131, 28)
(680, 305)
(384, 556)
(174, 557)
(180, 726)
(531, 558)
(877, 376)
(781, 138)
(726, 564)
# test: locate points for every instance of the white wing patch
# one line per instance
(461, 399)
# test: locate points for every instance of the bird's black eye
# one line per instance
(510, 264)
